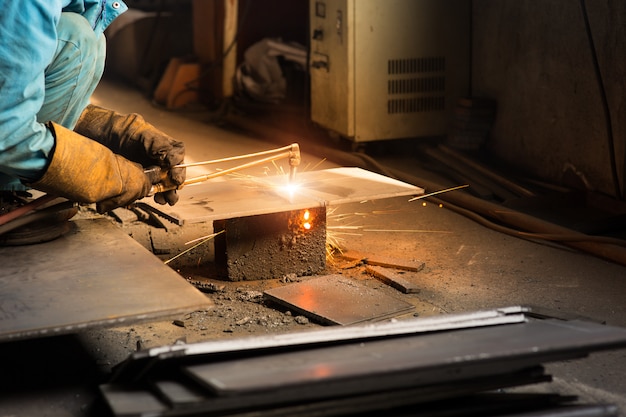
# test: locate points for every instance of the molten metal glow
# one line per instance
(290, 189)
(307, 217)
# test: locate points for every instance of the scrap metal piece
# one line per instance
(393, 278)
(334, 299)
(140, 362)
(123, 401)
(315, 378)
(95, 276)
(386, 261)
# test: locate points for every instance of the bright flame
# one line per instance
(306, 216)
(291, 188)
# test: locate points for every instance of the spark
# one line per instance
(407, 230)
(207, 238)
(365, 229)
(352, 224)
(318, 164)
(438, 192)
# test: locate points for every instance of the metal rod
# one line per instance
(439, 192)
(206, 177)
(292, 152)
(290, 148)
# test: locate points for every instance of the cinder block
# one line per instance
(271, 245)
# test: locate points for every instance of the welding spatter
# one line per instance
(292, 152)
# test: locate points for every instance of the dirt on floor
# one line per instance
(239, 307)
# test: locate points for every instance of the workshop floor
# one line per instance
(468, 267)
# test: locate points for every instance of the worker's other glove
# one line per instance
(135, 139)
(85, 171)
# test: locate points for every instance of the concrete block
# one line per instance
(271, 245)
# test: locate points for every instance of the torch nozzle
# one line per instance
(294, 161)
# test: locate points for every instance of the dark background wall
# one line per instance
(535, 59)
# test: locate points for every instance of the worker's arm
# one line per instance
(48, 156)
(27, 44)
(135, 139)
(85, 171)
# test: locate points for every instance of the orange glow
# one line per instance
(322, 371)
(306, 220)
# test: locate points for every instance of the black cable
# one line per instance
(605, 103)
(554, 237)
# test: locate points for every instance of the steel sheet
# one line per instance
(94, 276)
(227, 198)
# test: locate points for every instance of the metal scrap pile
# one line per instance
(454, 365)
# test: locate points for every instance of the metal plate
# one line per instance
(370, 374)
(141, 362)
(227, 198)
(334, 299)
(408, 361)
(92, 277)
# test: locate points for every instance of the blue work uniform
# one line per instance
(51, 59)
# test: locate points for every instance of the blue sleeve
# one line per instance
(27, 45)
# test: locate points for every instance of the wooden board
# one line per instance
(94, 276)
(231, 197)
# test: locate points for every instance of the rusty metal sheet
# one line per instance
(94, 276)
(231, 197)
(333, 299)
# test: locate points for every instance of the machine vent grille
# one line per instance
(423, 92)
(416, 65)
(417, 85)
(416, 104)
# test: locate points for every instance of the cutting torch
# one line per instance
(292, 152)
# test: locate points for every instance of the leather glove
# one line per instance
(135, 139)
(85, 171)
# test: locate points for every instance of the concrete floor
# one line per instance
(468, 267)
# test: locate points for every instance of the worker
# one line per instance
(52, 56)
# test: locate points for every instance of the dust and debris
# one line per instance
(239, 307)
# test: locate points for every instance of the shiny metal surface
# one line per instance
(94, 276)
(333, 299)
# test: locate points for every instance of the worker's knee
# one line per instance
(74, 72)
(78, 42)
